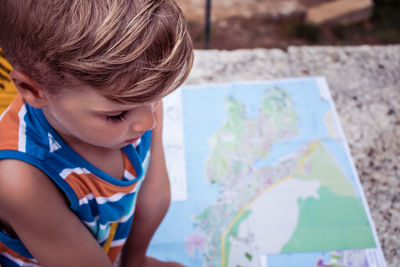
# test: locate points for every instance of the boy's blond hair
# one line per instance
(130, 50)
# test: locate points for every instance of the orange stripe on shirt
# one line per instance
(128, 165)
(84, 184)
(114, 252)
(9, 138)
(13, 254)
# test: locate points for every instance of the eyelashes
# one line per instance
(121, 116)
(117, 118)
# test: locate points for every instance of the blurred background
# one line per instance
(236, 24)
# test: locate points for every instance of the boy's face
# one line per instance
(84, 117)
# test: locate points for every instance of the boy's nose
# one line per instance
(146, 121)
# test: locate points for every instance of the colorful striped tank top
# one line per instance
(103, 203)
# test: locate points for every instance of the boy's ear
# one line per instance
(30, 90)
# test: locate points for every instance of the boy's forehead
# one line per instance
(89, 98)
(92, 97)
(112, 107)
(98, 103)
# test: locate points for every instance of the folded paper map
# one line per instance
(262, 176)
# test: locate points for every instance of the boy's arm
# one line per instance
(39, 214)
(152, 204)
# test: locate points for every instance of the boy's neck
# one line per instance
(108, 160)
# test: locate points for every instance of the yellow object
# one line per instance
(113, 230)
(7, 88)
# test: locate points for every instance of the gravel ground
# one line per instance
(365, 85)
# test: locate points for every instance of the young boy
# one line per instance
(86, 125)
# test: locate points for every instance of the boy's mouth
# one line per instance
(133, 140)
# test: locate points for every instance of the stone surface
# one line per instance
(365, 85)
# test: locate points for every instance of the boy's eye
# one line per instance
(117, 118)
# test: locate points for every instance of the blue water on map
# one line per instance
(311, 110)
(204, 115)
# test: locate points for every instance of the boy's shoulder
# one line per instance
(22, 185)
(17, 175)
